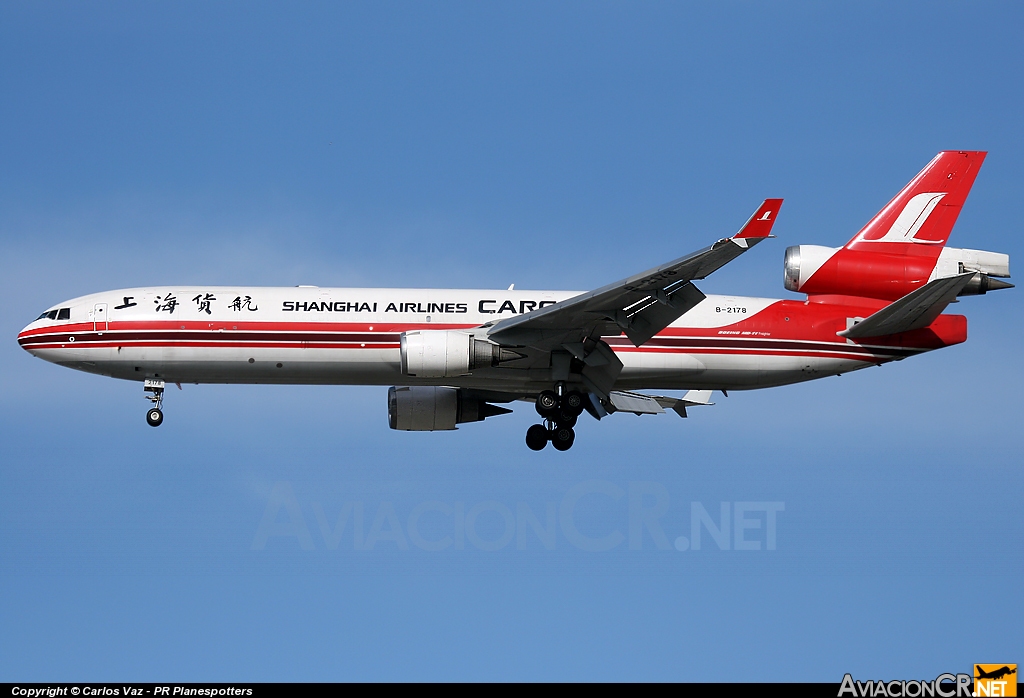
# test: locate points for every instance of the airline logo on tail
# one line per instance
(925, 210)
(913, 216)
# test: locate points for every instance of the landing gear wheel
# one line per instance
(547, 402)
(566, 419)
(562, 438)
(572, 403)
(154, 417)
(537, 437)
(155, 388)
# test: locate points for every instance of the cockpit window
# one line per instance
(58, 314)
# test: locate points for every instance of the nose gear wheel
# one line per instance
(155, 415)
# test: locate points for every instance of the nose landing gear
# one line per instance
(560, 410)
(154, 416)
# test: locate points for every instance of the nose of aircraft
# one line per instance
(34, 335)
(24, 338)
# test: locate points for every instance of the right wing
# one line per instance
(640, 306)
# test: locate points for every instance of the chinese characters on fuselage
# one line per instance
(168, 303)
(204, 304)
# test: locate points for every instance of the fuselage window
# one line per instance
(64, 314)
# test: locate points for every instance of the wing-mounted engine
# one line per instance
(432, 408)
(449, 353)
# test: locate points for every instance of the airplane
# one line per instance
(996, 674)
(455, 356)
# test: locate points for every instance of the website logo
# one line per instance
(995, 680)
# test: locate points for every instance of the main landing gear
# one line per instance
(560, 410)
(154, 416)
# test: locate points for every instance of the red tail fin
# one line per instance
(896, 251)
(919, 219)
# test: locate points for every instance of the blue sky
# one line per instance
(478, 145)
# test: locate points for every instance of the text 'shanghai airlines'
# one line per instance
(454, 356)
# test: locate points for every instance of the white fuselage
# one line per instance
(309, 335)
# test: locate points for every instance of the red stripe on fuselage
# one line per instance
(214, 326)
(866, 357)
(214, 338)
(737, 346)
(799, 326)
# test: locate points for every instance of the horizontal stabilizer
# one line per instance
(912, 312)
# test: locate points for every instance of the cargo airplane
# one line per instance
(454, 356)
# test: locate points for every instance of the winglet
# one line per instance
(760, 224)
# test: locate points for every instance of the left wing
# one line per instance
(641, 305)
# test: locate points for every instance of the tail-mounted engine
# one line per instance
(431, 408)
(813, 269)
(448, 353)
(990, 267)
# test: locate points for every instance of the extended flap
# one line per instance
(634, 402)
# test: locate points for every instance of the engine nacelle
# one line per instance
(820, 270)
(801, 263)
(954, 261)
(813, 269)
(448, 353)
(432, 408)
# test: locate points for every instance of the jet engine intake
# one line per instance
(433, 408)
(801, 263)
